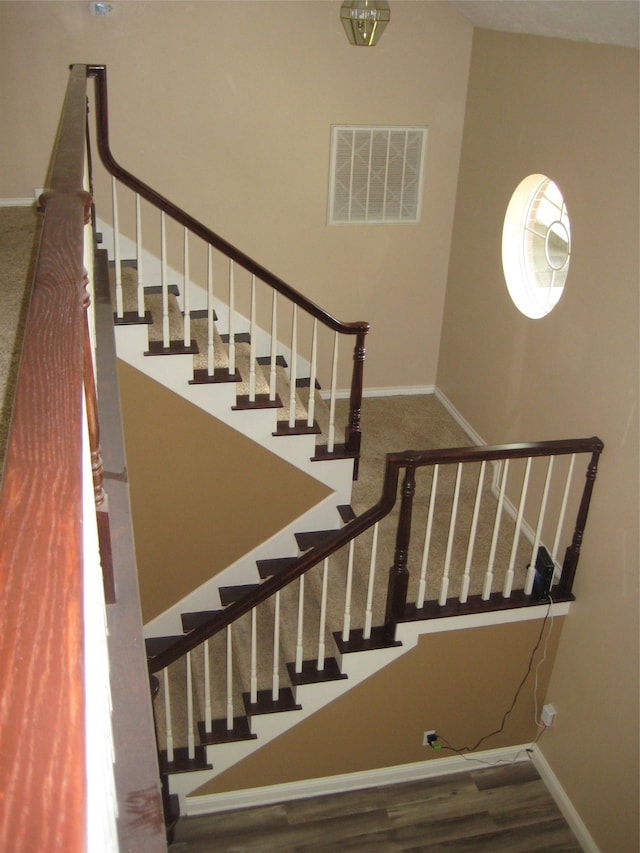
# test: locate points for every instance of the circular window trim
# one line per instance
(535, 273)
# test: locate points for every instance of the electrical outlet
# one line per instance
(548, 715)
(429, 737)
(102, 9)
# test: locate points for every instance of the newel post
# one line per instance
(353, 433)
(572, 554)
(398, 573)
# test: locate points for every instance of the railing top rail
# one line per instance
(394, 462)
(99, 72)
(41, 642)
(496, 452)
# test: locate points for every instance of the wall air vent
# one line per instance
(376, 174)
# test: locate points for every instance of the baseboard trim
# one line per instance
(212, 803)
(458, 418)
(17, 202)
(563, 802)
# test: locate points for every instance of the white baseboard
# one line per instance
(563, 802)
(17, 202)
(211, 803)
(460, 420)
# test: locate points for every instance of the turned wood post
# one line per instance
(572, 554)
(398, 573)
(353, 433)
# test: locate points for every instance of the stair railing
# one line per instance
(62, 713)
(455, 489)
(220, 365)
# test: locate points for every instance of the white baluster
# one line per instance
(300, 630)
(508, 581)
(488, 578)
(323, 615)
(368, 611)
(422, 584)
(464, 594)
(207, 689)
(229, 680)
(252, 343)
(117, 262)
(167, 715)
(275, 679)
(346, 622)
(293, 367)
(191, 746)
(332, 398)
(274, 346)
(253, 667)
(186, 292)
(232, 321)
(165, 286)
(139, 258)
(563, 508)
(311, 403)
(210, 346)
(531, 572)
(444, 589)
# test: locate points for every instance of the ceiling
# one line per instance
(599, 21)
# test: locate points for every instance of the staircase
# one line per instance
(331, 599)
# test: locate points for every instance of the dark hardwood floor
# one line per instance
(505, 809)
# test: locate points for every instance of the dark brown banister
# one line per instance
(398, 574)
(42, 696)
(359, 329)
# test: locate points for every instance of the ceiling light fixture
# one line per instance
(364, 20)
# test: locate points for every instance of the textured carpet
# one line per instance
(19, 229)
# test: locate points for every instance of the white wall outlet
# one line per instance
(547, 715)
(425, 737)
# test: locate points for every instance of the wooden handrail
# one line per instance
(395, 462)
(359, 329)
(41, 642)
(99, 72)
(43, 781)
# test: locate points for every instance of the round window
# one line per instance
(536, 246)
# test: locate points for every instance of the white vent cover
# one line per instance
(376, 174)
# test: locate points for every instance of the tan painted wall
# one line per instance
(226, 108)
(459, 683)
(570, 111)
(202, 494)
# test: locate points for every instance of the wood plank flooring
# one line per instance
(505, 809)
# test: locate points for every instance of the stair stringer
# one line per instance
(358, 666)
(175, 371)
(322, 516)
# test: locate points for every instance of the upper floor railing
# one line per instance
(61, 677)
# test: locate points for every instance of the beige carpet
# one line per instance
(19, 228)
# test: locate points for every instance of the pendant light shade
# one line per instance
(364, 20)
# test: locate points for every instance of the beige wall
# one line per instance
(226, 108)
(570, 111)
(459, 683)
(202, 494)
